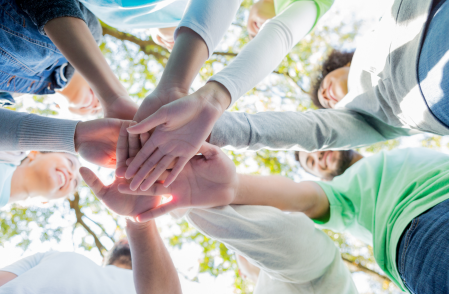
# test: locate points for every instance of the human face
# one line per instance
(259, 13)
(334, 87)
(246, 269)
(164, 37)
(80, 96)
(51, 175)
(326, 164)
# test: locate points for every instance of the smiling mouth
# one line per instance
(62, 179)
(331, 93)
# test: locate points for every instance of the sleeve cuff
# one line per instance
(227, 83)
(200, 31)
(46, 134)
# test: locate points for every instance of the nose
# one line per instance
(320, 159)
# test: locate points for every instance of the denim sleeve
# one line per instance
(42, 11)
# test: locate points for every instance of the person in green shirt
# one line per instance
(397, 201)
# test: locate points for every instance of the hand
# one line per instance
(182, 127)
(122, 108)
(128, 147)
(207, 180)
(127, 205)
(96, 140)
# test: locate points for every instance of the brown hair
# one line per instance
(119, 253)
(335, 60)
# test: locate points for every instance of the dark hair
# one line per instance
(335, 60)
(119, 253)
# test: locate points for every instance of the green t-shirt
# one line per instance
(322, 6)
(378, 197)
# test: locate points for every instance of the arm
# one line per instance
(210, 19)
(282, 193)
(265, 52)
(94, 140)
(258, 233)
(153, 269)
(203, 25)
(309, 131)
(5, 277)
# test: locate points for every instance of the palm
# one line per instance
(207, 180)
(122, 204)
(96, 141)
(204, 184)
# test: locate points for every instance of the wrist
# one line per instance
(136, 227)
(218, 95)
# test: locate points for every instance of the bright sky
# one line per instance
(187, 260)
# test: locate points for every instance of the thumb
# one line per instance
(93, 182)
(208, 150)
(157, 118)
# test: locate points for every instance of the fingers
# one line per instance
(155, 190)
(140, 158)
(93, 182)
(129, 160)
(177, 169)
(157, 118)
(208, 150)
(133, 142)
(122, 149)
(156, 173)
(144, 169)
(144, 138)
(156, 212)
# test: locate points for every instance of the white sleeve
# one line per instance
(25, 264)
(264, 53)
(210, 19)
(287, 247)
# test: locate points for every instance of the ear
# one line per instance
(33, 154)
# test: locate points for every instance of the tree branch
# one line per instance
(149, 47)
(101, 227)
(74, 204)
(356, 267)
(286, 74)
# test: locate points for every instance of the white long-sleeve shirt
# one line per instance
(264, 53)
(66, 272)
(294, 256)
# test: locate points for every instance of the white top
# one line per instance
(66, 273)
(264, 53)
(294, 256)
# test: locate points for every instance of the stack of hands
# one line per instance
(166, 153)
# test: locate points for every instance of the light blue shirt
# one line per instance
(138, 14)
(6, 172)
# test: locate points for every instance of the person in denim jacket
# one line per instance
(31, 63)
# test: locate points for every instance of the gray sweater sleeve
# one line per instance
(22, 131)
(309, 131)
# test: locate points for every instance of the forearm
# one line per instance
(24, 132)
(153, 268)
(263, 54)
(74, 39)
(282, 193)
(186, 59)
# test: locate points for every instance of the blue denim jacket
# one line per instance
(29, 61)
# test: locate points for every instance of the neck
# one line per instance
(19, 189)
(356, 157)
